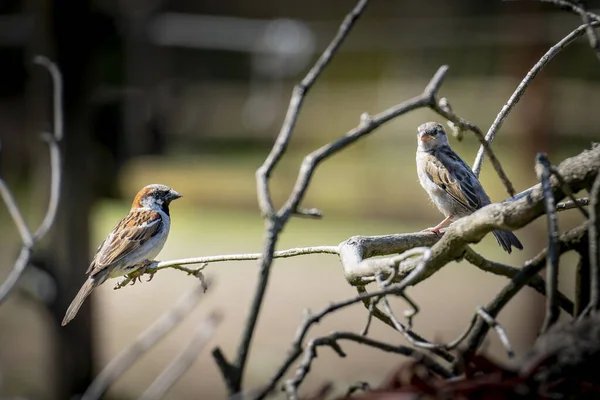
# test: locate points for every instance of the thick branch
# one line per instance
(578, 171)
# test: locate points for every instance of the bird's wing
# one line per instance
(449, 172)
(126, 237)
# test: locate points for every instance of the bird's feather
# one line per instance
(460, 184)
(126, 237)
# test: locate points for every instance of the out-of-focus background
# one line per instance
(191, 94)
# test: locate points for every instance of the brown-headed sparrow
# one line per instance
(450, 182)
(135, 240)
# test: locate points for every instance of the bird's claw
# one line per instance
(151, 276)
(433, 230)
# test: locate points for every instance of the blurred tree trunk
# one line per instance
(72, 31)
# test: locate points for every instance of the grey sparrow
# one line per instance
(450, 182)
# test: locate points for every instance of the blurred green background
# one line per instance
(192, 94)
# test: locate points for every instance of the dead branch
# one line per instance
(522, 87)
(145, 341)
(53, 139)
(543, 168)
(536, 282)
(578, 171)
(332, 340)
(204, 333)
(568, 241)
(233, 372)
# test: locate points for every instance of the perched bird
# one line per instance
(136, 239)
(450, 182)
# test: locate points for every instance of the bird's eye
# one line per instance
(434, 133)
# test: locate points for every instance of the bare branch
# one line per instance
(577, 203)
(204, 333)
(310, 353)
(233, 373)
(516, 96)
(300, 91)
(487, 148)
(365, 127)
(312, 319)
(15, 213)
(29, 240)
(298, 251)
(536, 281)
(155, 332)
(552, 311)
(579, 172)
(483, 314)
(569, 192)
(567, 241)
(586, 17)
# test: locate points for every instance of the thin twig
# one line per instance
(569, 192)
(487, 148)
(536, 282)
(156, 266)
(15, 213)
(311, 319)
(298, 251)
(586, 17)
(204, 333)
(310, 353)
(543, 167)
(365, 127)
(483, 314)
(410, 335)
(516, 96)
(578, 203)
(145, 341)
(300, 91)
(531, 268)
(53, 139)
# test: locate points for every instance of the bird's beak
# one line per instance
(425, 138)
(174, 195)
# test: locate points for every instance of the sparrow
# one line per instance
(131, 244)
(450, 182)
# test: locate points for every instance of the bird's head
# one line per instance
(431, 135)
(155, 197)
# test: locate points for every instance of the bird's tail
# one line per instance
(83, 293)
(506, 239)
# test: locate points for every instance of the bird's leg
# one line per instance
(144, 270)
(436, 229)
